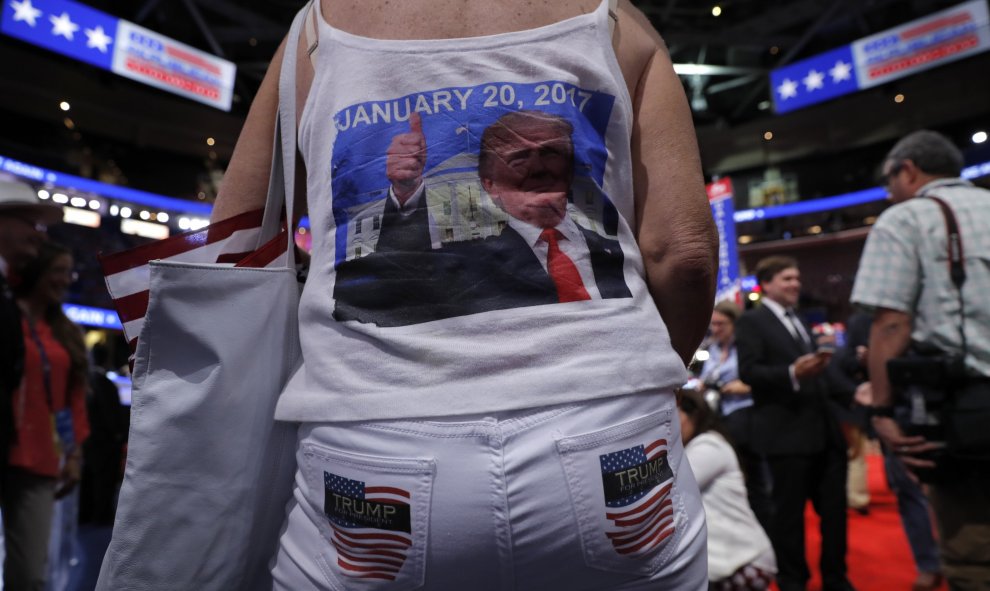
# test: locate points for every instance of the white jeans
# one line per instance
(594, 495)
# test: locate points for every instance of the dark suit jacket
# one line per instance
(11, 364)
(406, 281)
(784, 422)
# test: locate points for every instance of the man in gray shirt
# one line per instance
(904, 277)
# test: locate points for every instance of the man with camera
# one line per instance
(925, 274)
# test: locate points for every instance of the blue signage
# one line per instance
(63, 26)
(41, 175)
(928, 42)
(96, 317)
(812, 206)
(99, 39)
(814, 80)
(723, 208)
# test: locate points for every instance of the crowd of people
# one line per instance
(47, 399)
(915, 352)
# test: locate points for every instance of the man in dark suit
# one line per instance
(526, 165)
(22, 217)
(794, 426)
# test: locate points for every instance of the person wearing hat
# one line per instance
(23, 220)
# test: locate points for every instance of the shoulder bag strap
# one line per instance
(957, 261)
(312, 32)
(283, 170)
(613, 16)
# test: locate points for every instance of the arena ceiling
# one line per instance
(730, 102)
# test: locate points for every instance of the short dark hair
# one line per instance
(508, 122)
(768, 268)
(728, 309)
(930, 151)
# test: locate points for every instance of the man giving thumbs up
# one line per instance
(405, 160)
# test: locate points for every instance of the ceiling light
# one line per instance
(184, 223)
(43, 194)
(753, 297)
(162, 217)
(114, 210)
(69, 123)
(979, 137)
(716, 10)
(744, 239)
(145, 214)
(870, 220)
(763, 105)
(60, 198)
(77, 202)
(210, 141)
(774, 50)
(94, 204)
(815, 230)
(65, 106)
(898, 98)
(125, 212)
(768, 136)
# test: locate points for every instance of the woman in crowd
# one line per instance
(721, 373)
(50, 418)
(740, 557)
(721, 369)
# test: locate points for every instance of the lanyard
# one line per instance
(46, 366)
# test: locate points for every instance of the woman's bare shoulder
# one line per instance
(636, 41)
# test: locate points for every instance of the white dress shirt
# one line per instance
(781, 313)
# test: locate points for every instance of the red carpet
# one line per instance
(879, 558)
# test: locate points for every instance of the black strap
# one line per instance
(954, 244)
(957, 262)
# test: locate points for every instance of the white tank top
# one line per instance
(507, 276)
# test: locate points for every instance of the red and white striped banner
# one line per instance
(230, 242)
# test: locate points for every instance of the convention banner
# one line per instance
(99, 39)
(922, 44)
(158, 61)
(720, 198)
(935, 40)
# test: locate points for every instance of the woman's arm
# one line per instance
(674, 225)
(245, 182)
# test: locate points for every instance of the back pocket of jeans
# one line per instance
(373, 513)
(624, 494)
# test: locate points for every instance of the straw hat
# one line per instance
(20, 198)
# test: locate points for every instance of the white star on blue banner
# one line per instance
(63, 26)
(816, 79)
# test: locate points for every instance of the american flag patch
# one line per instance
(639, 510)
(372, 526)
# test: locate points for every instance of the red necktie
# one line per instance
(562, 271)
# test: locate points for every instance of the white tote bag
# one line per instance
(209, 471)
